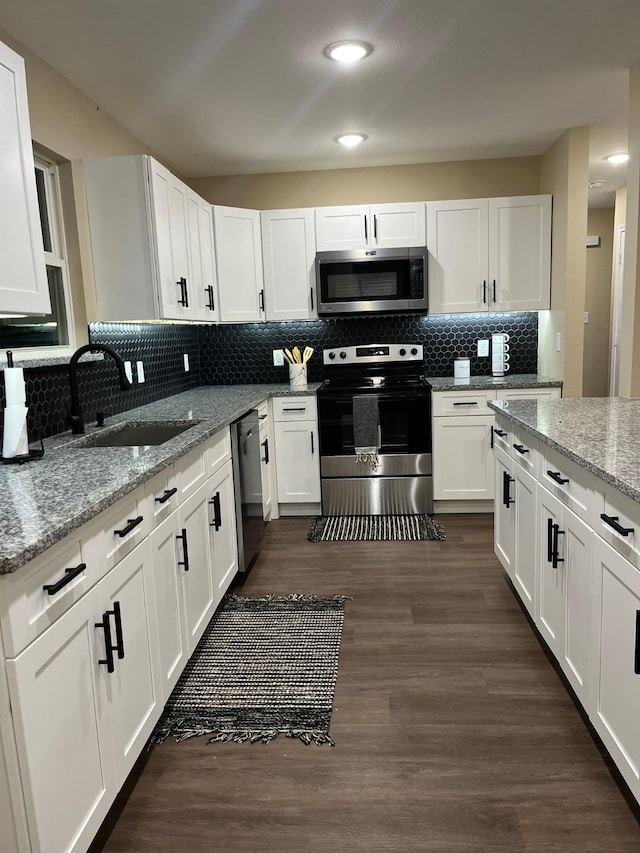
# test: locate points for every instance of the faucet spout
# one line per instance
(75, 419)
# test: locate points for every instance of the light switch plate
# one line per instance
(140, 371)
(278, 357)
(483, 348)
(128, 371)
(186, 362)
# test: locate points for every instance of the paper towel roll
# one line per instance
(15, 391)
(14, 435)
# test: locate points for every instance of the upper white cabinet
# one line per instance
(288, 258)
(382, 226)
(489, 254)
(151, 242)
(23, 287)
(239, 264)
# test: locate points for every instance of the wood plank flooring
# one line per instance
(454, 732)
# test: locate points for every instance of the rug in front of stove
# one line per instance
(264, 667)
(363, 528)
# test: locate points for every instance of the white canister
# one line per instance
(298, 375)
(462, 368)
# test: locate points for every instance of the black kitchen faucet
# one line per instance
(74, 418)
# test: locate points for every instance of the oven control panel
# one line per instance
(373, 354)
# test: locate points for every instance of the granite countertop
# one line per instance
(45, 499)
(486, 383)
(598, 433)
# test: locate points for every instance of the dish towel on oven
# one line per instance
(365, 428)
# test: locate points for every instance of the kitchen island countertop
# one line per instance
(45, 499)
(486, 383)
(601, 434)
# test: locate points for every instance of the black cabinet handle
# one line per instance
(185, 549)
(262, 417)
(106, 626)
(261, 300)
(557, 477)
(494, 290)
(168, 493)
(366, 233)
(131, 523)
(555, 558)
(265, 458)
(375, 227)
(612, 521)
(312, 447)
(210, 304)
(217, 516)
(312, 308)
(521, 448)
(549, 540)
(484, 292)
(117, 615)
(299, 409)
(70, 574)
(500, 432)
(492, 431)
(636, 666)
(184, 296)
(473, 403)
(507, 500)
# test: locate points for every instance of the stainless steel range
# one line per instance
(375, 395)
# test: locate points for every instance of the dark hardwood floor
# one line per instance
(454, 732)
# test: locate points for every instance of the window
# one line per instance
(30, 335)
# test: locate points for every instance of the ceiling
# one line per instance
(219, 87)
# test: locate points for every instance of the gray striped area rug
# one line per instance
(359, 528)
(264, 667)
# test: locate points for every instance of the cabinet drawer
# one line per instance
(524, 450)
(462, 403)
(192, 470)
(502, 434)
(569, 483)
(294, 408)
(161, 494)
(621, 526)
(27, 608)
(263, 418)
(529, 394)
(117, 530)
(218, 450)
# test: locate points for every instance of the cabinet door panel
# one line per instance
(239, 263)
(288, 251)
(297, 462)
(524, 574)
(60, 722)
(162, 203)
(551, 598)
(398, 225)
(462, 458)
(344, 227)
(223, 540)
(504, 515)
(197, 585)
(577, 661)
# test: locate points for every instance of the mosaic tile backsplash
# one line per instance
(224, 355)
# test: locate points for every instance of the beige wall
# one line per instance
(423, 182)
(564, 173)
(595, 380)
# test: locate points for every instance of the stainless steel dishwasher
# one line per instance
(246, 453)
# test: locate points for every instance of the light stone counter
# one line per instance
(601, 434)
(45, 499)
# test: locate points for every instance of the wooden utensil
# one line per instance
(288, 356)
(306, 355)
(297, 356)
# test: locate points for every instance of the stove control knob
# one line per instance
(343, 354)
(414, 351)
(332, 355)
(403, 351)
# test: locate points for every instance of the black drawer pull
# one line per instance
(491, 432)
(262, 417)
(499, 432)
(52, 588)
(168, 493)
(549, 540)
(555, 558)
(636, 667)
(299, 409)
(474, 403)
(484, 292)
(210, 304)
(184, 297)
(119, 646)
(185, 549)
(557, 476)
(130, 525)
(521, 448)
(507, 500)
(108, 647)
(612, 521)
(265, 458)
(217, 516)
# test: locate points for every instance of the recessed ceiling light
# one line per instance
(348, 51)
(350, 139)
(597, 183)
(617, 158)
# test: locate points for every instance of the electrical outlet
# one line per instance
(278, 357)
(586, 317)
(140, 371)
(128, 371)
(186, 362)
(558, 341)
(483, 348)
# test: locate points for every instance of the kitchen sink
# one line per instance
(135, 435)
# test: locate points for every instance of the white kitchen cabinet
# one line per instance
(462, 458)
(297, 462)
(73, 710)
(504, 520)
(489, 254)
(266, 460)
(222, 530)
(23, 286)
(617, 629)
(382, 226)
(529, 394)
(238, 248)
(203, 286)
(523, 569)
(151, 255)
(288, 256)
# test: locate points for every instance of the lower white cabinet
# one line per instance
(267, 460)
(297, 462)
(85, 699)
(222, 531)
(194, 562)
(504, 519)
(462, 458)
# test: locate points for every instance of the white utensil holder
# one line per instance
(298, 375)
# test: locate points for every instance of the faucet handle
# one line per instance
(100, 417)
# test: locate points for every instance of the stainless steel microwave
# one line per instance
(372, 281)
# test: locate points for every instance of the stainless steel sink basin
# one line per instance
(135, 435)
